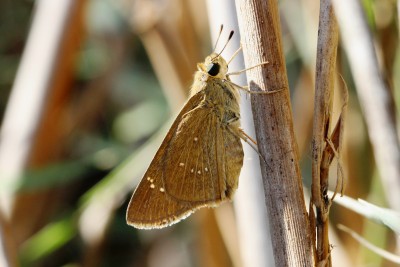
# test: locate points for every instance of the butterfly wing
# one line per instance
(197, 164)
(149, 206)
(204, 159)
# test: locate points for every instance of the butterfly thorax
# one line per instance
(219, 94)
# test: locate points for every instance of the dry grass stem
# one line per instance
(261, 37)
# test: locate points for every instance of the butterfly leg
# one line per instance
(247, 90)
(239, 132)
(246, 69)
(251, 142)
(235, 54)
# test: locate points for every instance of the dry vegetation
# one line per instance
(85, 109)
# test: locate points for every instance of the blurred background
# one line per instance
(87, 91)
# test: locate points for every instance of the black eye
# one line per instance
(213, 69)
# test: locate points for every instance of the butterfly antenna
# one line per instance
(229, 38)
(219, 35)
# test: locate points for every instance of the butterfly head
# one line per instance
(214, 65)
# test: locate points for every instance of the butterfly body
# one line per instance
(199, 161)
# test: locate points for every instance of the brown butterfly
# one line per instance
(199, 161)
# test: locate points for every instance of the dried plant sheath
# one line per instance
(375, 98)
(321, 156)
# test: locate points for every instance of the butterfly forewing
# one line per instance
(150, 205)
(203, 166)
(192, 159)
(204, 160)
